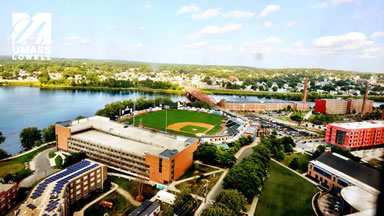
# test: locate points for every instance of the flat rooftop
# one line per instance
(360, 125)
(102, 131)
(5, 187)
(264, 102)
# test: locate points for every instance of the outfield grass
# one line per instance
(157, 119)
(16, 166)
(285, 193)
(303, 160)
(193, 129)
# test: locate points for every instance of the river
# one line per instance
(22, 107)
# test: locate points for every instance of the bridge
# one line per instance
(193, 94)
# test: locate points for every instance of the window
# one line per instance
(92, 173)
(85, 177)
(160, 165)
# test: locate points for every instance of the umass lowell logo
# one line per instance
(31, 36)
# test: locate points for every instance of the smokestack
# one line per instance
(305, 90)
(363, 109)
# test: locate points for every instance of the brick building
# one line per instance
(355, 134)
(156, 156)
(249, 106)
(338, 106)
(8, 196)
(54, 194)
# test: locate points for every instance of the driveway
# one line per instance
(43, 168)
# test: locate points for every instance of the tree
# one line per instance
(289, 148)
(232, 199)
(226, 159)
(49, 133)
(207, 153)
(280, 155)
(29, 136)
(2, 138)
(74, 158)
(3, 153)
(217, 209)
(294, 164)
(80, 117)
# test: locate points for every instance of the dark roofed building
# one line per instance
(331, 169)
(148, 208)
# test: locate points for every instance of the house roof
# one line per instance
(147, 208)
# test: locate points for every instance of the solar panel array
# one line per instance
(64, 177)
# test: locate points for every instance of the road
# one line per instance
(43, 168)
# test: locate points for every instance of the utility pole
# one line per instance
(166, 107)
(206, 190)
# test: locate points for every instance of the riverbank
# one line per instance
(275, 95)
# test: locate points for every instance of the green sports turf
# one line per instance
(157, 119)
(214, 130)
(193, 129)
(285, 193)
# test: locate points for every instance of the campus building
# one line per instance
(339, 106)
(53, 195)
(148, 208)
(250, 106)
(8, 196)
(159, 157)
(352, 180)
(355, 134)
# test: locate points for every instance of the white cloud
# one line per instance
(349, 41)
(298, 44)
(110, 27)
(188, 9)
(269, 9)
(239, 14)
(147, 5)
(132, 47)
(339, 2)
(320, 5)
(371, 52)
(290, 24)
(76, 40)
(142, 28)
(207, 14)
(195, 45)
(377, 35)
(171, 35)
(220, 48)
(214, 29)
(268, 24)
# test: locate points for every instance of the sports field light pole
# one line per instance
(166, 116)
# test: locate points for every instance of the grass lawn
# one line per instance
(122, 182)
(193, 129)
(16, 166)
(121, 206)
(303, 160)
(157, 119)
(196, 170)
(283, 118)
(285, 193)
(214, 130)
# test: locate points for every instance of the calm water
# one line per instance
(22, 107)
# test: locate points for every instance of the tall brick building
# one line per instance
(54, 194)
(249, 106)
(337, 106)
(156, 156)
(355, 134)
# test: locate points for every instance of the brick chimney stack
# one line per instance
(305, 90)
(363, 108)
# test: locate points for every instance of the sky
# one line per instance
(332, 34)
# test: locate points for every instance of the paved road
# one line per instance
(43, 168)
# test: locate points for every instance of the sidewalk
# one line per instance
(128, 196)
(81, 212)
(31, 150)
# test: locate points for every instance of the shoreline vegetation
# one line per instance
(275, 95)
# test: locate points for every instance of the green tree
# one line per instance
(280, 155)
(2, 138)
(294, 164)
(29, 136)
(217, 209)
(74, 158)
(207, 153)
(80, 117)
(226, 159)
(3, 153)
(49, 133)
(289, 148)
(232, 199)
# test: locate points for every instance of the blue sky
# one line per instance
(333, 34)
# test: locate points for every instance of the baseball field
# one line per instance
(181, 122)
